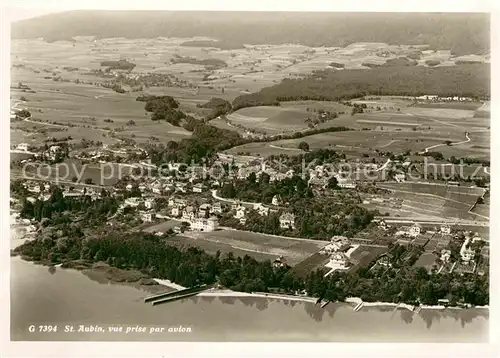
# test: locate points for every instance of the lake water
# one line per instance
(68, 298)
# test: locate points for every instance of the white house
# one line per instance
(445, 229)
(147, 217)
(337, 243)
(466, 253)
(177, 202)
(216, 208)
(23, 146)
(400, 177)
(142, 188)
(149, 203)
(34, 189)
(445, 255)
(338, 261)
(384, 261)
(240, 212)
(132, 202)
(276, 200)
(287, 221)
(204, 209)
(415, 230)
(346, 183)
(54, 148)
(261, 209)
(175, 211)
(129, 187)
(383, 224)
(198, 188)
(44, 197)
(201, 224)
(188, 214)
(279, 262)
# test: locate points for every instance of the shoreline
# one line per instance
(104, 273)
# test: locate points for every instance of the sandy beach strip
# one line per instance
(170, 284)
(229, 293)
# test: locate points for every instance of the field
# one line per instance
(435, 200)
(288, 117)
(364, 255)
(163, 226)
(411, 128)
(84, 112)
(426, 260)
(259, 246)
(100, 174)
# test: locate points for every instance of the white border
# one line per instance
(126, 349)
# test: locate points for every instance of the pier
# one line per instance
(171, 296)
(358, 306)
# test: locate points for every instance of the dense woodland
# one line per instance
(218, 107)
(210, 63)
(163, 108)
(118, 65)
(332, 85)
(462, 33)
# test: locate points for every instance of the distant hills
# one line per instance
(462, 33)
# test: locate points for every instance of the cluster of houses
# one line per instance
(436, 98)
(41, 191)
(49, 154)
(336, 249)
(202, 218)
(320, 175)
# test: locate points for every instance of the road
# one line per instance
(384, 166)
(426, 150)
(285, 148)
(21, 151)
(215, 196)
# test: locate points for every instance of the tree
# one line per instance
(303, 146)
(333, 183)
(88, 181)
(228, 190)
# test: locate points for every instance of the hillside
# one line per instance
(464, 80)
(460, 32)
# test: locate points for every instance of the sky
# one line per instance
(25, 9)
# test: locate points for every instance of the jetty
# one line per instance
(358, 306)
(323, 305)
(176, 295)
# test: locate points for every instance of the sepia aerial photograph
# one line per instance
(225, 176)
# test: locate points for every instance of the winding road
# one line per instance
(426, 150)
